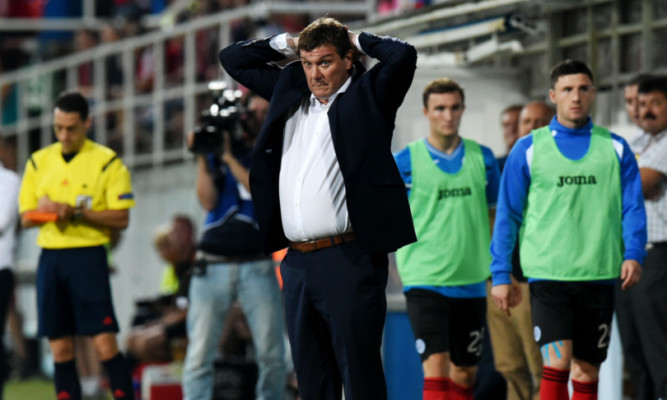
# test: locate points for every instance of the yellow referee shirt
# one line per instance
(95, 178)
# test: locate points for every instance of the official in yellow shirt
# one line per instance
(87, 189)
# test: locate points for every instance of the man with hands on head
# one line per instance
(325, 184)
(574, 190)
(87, 190)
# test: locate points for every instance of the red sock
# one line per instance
(585, 390)
(436, 388)
(458, 392)
(554, 384)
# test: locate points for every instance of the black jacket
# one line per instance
(362, 121)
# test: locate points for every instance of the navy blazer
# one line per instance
(362, 121)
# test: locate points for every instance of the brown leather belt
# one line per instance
(319, 244)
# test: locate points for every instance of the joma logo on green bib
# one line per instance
(576, 180)
(460, 192)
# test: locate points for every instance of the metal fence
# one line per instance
(145, 125)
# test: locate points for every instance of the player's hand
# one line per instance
(501, 297)
(631, 271)
(515, 294)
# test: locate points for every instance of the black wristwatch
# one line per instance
(78, 213)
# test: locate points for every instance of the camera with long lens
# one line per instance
(223, 115)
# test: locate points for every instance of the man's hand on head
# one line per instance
(353, 39)
(293, 43)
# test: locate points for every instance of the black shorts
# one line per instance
(576, 311)
(73, 292)
(447, 324)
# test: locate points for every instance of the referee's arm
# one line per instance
(113, 219)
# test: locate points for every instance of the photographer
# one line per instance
(230, 264)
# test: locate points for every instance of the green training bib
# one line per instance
(451, 219)
(572, 224)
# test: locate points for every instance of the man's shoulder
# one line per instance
(522, 144)
(98, 148)
(45, 153)
(99, 154)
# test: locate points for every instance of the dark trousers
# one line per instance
(642, 320)
(6, 290)
(335, 308)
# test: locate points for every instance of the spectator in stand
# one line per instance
(85, 39)
(114, 63)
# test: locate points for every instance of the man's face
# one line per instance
(533, 116)
(510, 124)
(70, 130)
(653, 112)
(444, 111)
(631, 105)
(573, 95)
(325, 70)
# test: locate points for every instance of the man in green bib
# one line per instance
(452, 186)
(572, 191)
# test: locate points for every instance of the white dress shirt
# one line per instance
(313, 204)
(9, 211)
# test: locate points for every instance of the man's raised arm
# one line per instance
(251, 63)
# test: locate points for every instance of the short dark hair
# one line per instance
(569, 67)
(73, 101)
(325, 31)
(638, 78)
(653, 83)
(442, 85)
